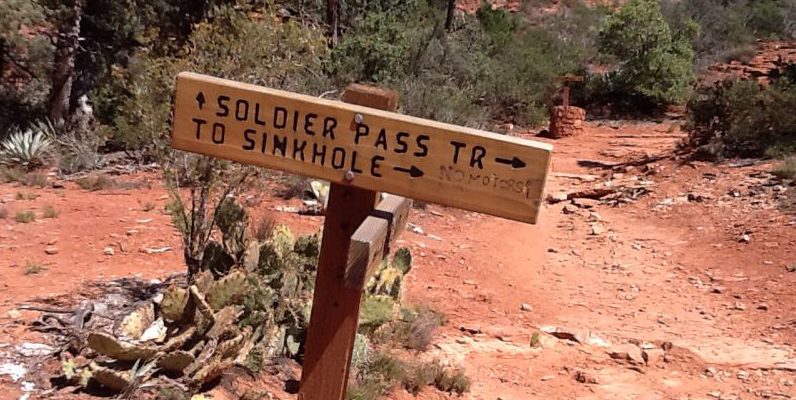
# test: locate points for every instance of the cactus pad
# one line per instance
(108, 345)
(227, 290)
(134, 324)
(174, 306)
(176, 361)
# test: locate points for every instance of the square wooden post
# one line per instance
(335, 308)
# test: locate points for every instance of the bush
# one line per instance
(24, 217)
(726, 27)
(653, 63)
(786, 169)
(744, 119)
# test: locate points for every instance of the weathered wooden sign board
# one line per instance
(412, 157)
(361, 151)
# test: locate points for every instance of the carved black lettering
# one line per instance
(298, 148)
(241, 110)
(219, 131)
(280, 117)
(199, 123)
(338, 158)
(329, 123)
(257, 119)
(318, 150)
(354, 163)
(421, 139)
(374, 166)
(295, 120)
(477, 156)
(265, 141)
(247, 136)
(309, 120)
(280, 143)
(381, 141)
(361, 130)
(456, 147)
(400, 138)
(223, 109)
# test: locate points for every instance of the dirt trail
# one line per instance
(650, 277)
(665, 270)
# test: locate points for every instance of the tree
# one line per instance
(63, 72)
(652, 62)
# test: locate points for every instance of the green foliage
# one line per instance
(29, 148)
(654, 64)
(25, 58)
(744, 119)
(414, 330)
(25, 178)
(718, 29)
(24, 217)
(231, 46)
(384, 371)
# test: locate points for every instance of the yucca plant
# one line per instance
(28, 148)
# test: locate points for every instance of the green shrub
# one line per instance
(654, 64)
(744, 119)
(24, 217)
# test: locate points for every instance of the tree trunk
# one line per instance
(64, 63)
(333, 19)
(449, 17)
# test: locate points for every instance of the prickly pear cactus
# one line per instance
(111, 378)
(176, 361)
(133, 325)
(174, 306)
(228, 290)
(203, 281)
(110, 346)
(402, 260)
(377, 310)
(283, 240)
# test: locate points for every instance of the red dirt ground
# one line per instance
(662, 269)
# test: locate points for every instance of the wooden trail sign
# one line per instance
(361, 151)
(362, 147)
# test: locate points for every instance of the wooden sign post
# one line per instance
(361, 148)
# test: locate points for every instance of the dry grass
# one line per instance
(24, 217)
(263, 228)
(96, 182)
(786, 169)
(33, 268)
(50, 212)
(26, 196)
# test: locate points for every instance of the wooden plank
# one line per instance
(373, 239)
(378, 150)
(335, 312)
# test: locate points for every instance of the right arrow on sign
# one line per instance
(514, 162)
(414, 172)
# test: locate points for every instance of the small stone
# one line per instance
(762, 306)
(715, 394)
(745, 238)
(52, 242)
(717, 289)
(710, 372)
(594, 217)
(597, 229)
(743, 375)
(547, 378)
(131, 232)
(473, 330)
(14, 314)
(585, 377)
(627, 352)
(791, 268)
(108, 251)
(653, 356)
(739, 306)
(787, 383)
(51, 250)
(526, 307)
(469, 282)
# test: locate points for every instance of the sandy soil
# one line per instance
(666, 270)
